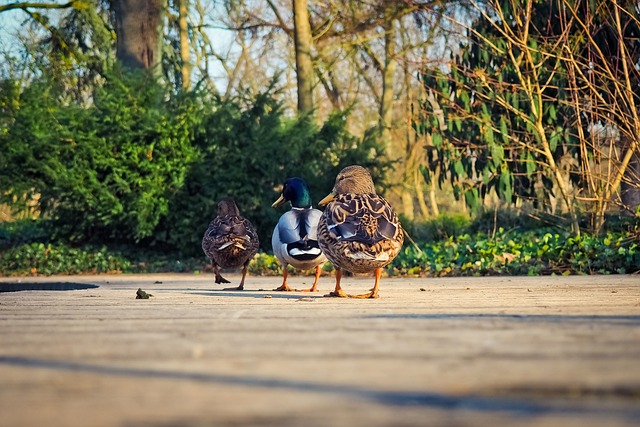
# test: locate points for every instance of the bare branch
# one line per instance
(29, 5)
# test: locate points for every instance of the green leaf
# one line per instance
(554, 138)
(505, 189)
(497, 155)
(464, 97)
(530, 164)
(486, 176)
(504, 130)
(488, 135)
(471, 198)
(436, 140)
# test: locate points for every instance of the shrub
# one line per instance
(523, 253)
(247, 153)
(101, 172)
(138, 166)
(47, 259)
(265, 265)
(533, 252)
(435, 229)
(20, 232)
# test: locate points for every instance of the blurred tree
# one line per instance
(183, 30)
(84, 40)
(525, 110)
(365, 56)
(73, 51)
(139, 28)
(304, 65)
(602, 60)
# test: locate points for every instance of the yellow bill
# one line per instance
(327, 199)
(278, 202)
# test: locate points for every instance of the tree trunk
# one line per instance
(304, 65)
(185, 57)
(138, 25)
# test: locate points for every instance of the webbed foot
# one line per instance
(372, 294)
(220, 279)
(338, 294)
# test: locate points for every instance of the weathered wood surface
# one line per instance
(541, 351)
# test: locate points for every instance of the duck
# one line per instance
(294, 240)
(230, 241)
(359, 231)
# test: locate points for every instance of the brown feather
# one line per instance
(359, 231)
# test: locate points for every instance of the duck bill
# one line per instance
(327, 199)
(278, 202)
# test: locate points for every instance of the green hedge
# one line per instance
(46, 259)
(139, 166)
(522, 253)
(507, 253)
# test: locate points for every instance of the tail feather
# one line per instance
(304, 250)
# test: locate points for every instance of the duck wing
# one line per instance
(296, 234)
(364, 218)
(227, 231)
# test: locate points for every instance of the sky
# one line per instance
(11, 22)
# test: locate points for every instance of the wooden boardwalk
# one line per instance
(508, 351)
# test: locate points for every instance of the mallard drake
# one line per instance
(358, 231)
(230, 241)
(295, 237)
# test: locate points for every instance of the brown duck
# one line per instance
(358, 231)
(230, 241)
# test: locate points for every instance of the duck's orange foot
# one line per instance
(283, 288)
(372, 294)
(338, 294)
(239, 288)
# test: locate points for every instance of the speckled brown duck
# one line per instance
(230, 241)
(359, 231)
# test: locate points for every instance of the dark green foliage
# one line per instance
(137, 166)
(247, 153)
(508, 252)
(265, 265)
(47, 259)
(506, 242)
(522, 253)
(488, 221)
(22, 232)
(103, 172)
(436, 229)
